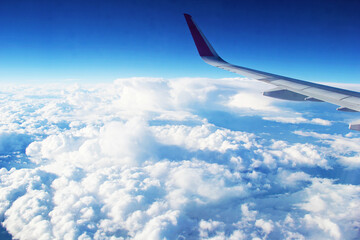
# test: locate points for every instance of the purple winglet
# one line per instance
(199, 39)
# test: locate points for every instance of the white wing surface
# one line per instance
(286, 88)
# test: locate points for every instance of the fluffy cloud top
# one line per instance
(142, 159)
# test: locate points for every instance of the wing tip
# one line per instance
(204, 47)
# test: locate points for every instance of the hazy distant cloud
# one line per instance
(296, 120)
(136, 159)
(250, 101)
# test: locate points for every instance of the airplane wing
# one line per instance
(286, 88)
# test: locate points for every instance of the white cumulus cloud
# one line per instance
(148, 158)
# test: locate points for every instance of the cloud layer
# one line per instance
(149, 158)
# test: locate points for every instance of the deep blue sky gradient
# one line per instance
(53, 41)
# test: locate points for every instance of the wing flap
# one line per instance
(321, 92)
(352, 100)
(291, 85)
(284, 94)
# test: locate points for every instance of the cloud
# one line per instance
(208, 228)
(326, 225)
(252, 101)
(303, 154)
(320, 121)
(345, 148)
(351, 162)
(292, 179)
(266, 226)
(296, 120)
(324, 201)
(204, 137)
(138, 159)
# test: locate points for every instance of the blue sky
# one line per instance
(100, 41)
